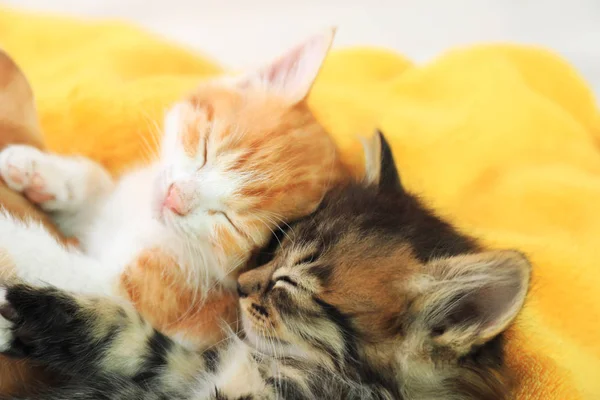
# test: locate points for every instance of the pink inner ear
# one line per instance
(491, 307)
(293, 74)
(284, 66)
(497, 303)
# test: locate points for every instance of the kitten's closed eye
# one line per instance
(224, 215)
(219, 212)
(312, 257)
(205, 153)
(287, 280)
(281, 281)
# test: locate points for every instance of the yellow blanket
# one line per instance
(503, 140)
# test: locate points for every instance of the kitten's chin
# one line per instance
(159, 212)
(273, 347)
(163, 216)
(255, 339)
(186, 227)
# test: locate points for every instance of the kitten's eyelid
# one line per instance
(224, 214)
(287, 280)
(219, 212)
(312, 257)
(205, 149)
(205, 153)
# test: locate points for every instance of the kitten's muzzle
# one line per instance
(175, 201)
(255, 281)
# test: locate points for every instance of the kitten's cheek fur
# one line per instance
(159, 193)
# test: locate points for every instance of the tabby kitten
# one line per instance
(371, 297)
(239, 156)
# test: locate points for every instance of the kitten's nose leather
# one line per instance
(174, 201)
(255, 281)
(240, 291)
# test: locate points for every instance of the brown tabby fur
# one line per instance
(418, 309)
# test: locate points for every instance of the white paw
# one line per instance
(6, 334)
(17, 165)
(35, 174)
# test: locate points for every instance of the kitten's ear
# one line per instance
(17, 104)
(293, 74)
(467, 300)
(380, 167)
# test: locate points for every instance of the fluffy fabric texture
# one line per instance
(503, 140)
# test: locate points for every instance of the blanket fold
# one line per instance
(502, 140)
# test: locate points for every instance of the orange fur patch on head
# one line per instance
(196, 119)
(291, 157)
(191, 139)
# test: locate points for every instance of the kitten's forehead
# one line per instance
(331, 223)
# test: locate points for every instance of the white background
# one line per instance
(244, 32)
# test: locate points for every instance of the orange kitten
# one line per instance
(239, 157)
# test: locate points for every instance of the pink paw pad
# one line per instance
(15, 175)
(38, 197)
(36, 190)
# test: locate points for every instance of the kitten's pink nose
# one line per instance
(175, 202)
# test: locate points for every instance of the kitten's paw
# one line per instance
(36, 322)
(35, 174)
(17, 164)
(6, 323)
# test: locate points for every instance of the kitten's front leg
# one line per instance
(85, 336)
(28, 252)
(56, 329)
(70, 188)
